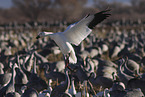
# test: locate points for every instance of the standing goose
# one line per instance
(35, 81)
(54, 75)
(72, 90)
(136, 83)
(29, 62)
(127, 93)
(23, 68)
(40, 57)
(59, 90)
(128, 71)
(5, 78)
(82, 75)
(132, 65)
(118, 86)
(21, 78)
(13, 94)
(123, 77)
(10, 86)
(30, 92)
(1, 68)
(75, 33)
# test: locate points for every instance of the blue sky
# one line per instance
(5, 3)
(8, 3)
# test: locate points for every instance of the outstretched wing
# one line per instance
(78, 32)
(70, 26)
(84, 27)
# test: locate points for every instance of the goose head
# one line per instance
(43, 34)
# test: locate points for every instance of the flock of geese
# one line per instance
(96, 67)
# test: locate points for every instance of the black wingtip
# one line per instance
(104, 12)
(38, 37)
(99, 17)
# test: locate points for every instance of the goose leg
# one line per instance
(66, 58)
(91, 87)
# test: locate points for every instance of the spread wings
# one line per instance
(77, 32)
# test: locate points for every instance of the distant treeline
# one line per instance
(52, 11)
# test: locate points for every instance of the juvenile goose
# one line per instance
(75, 33)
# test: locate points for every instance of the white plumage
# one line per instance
(75, 33)
(79, 31)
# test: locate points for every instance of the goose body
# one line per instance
(59, 90)
(75, 33)
(10, 86)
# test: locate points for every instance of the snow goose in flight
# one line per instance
(75, 33)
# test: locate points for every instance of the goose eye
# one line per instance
(40, 34)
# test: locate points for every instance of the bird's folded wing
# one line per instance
(79, 31)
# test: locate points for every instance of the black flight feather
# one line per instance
(99, 17)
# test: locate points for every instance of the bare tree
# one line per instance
(68, 9)
(138, 6)
(31, 8)
(141, 6)
(100, 4)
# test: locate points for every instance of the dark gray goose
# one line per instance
(54, 75)
(123, 77)
(118, 86)
(136, 83)
(10, 86)
(40, 57)
(29, 61)
(5, 78)
(128, 71)
(13, 94)
(127, 93)
(21, 78)
(59, 90)
(83, 75)
(30, 92)
(1, 68)
(22, 66)
(132, 65)
(35, 81)
(72, 90)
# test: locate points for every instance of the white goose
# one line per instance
(75, 33)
